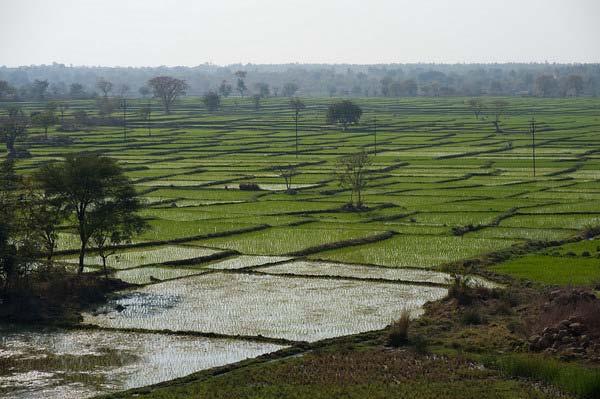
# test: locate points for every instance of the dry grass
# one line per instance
(398, 333)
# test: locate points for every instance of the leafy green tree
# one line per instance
(45, 119)
(39, 88)
(145, 113)
(344, 112)
(212, 101)
(43, 216)
(77, 91)
(6, 90)
(13, 127)
(115, 223)
(19, 238)
(89, 186)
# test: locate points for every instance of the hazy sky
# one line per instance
(192, 32)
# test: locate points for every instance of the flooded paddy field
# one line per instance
(74, 364)
(292, 308)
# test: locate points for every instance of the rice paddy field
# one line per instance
(266, 269)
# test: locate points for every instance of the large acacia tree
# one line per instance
(96, 191)
(167, 89)
(344, 112)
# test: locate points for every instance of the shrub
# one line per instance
(398, 334)
(460, 289)
(420, 343)
(471, 317)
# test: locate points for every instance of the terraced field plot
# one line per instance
(443, 187)
(79, 364)
(148, 256)
(298, 309)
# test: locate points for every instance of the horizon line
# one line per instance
(211, 64)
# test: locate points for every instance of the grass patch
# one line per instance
(552, 269)
(581, 381)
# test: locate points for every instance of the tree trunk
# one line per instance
(497, 126)
(10, 146)
(46, 132)
(296, 134)
(104, 266)
(81, 258)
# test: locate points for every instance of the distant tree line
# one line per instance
(58, 81)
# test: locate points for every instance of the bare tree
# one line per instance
(104, 86)
(297, 106)
(123, 90)
(145, 113)
(287, 173)
(476, 106)
(498, 108)
(62, 108)
(256, 101)
(352, 173)
(167, 89)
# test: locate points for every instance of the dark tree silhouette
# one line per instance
(297, 106)
(344, 112)
(241, 83)
(289, 89)
(104, 86)
(90, 187)
(167, 89)
(13, 127)
(212, 101)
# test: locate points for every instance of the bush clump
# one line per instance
(461, 290)
(471, 317)
(398, 334)
(249, 186)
